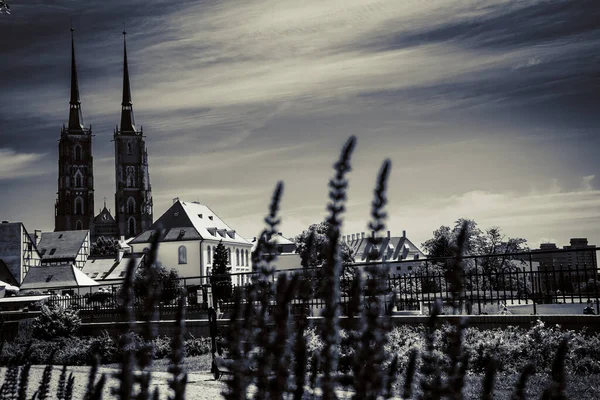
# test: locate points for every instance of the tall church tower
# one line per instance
(74, 209)
(133, 197)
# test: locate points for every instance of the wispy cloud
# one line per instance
(15, 165)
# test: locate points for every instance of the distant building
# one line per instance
(566, 269)
(65, 247)
(396, 251)
(74, 207)
(188, 234)
(18, 252)
(285, 250)
(62, 278)
(105, 225)
(111, 270)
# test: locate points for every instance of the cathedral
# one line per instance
(74, 209)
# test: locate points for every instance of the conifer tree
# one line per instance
(220, 279)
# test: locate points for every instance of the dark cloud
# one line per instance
(502, 27)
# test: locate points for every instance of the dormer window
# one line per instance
(52, 251)
(200, 216)
(210, 217)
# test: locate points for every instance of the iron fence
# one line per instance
(499, 283)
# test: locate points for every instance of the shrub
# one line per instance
(55, 322)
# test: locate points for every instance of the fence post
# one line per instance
(532, 284)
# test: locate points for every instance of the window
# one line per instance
(94, 275)
(78, 206)
(49, 278)
(52, 251)
(229, 256)
(209, 254)
(182, 255)
(77, 152)
(122, 274)
(131, 226)
(43, 252)
(247, 258)
(78, 179)
(130, 205)
(237, 256)
(79, 226)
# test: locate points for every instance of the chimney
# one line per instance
(122, 238)
(403, 233)
(362, 235)
(37, 236)
(280, 233)
(388, 234)
(175, 200)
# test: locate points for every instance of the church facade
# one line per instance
(74, 208)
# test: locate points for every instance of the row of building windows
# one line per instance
(241, 256)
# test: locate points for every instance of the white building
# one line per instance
(400, 254)
(188, 234)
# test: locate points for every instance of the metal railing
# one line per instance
(490, 284)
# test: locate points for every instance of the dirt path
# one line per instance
(201, 385)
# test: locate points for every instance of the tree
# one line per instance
(313, 245)
(105, 246)
(220, 279)
(317, 255)
(495, 267)
(166, 281)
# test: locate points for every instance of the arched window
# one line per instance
(79, 225)
(131, 226)
(129, 148)
(229, 256)
(182, 255)
(209, 254)
(78, 206)
(130, 205)
(78, 179)
(247, 258)
(77, 152)
(237, 256)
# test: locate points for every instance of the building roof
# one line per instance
(66, 244)
(110, 268)
(104, 217)
(191, 221)
(393, 248)
(6, 275)
(55, 276)
(284, 245)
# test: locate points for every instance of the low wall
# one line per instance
(199, 327)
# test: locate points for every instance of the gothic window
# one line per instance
(130, 176)
(77, 152)
(182, 255)
(130, 205)
(79, 225)
(209, 254)
(237, 256)
(131, 226)
(129, 148)
(78, 179)
(78, 205)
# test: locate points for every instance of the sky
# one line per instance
(488, 110)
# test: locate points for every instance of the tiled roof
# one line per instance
(66, 244)
(394, 248)
(102, 268)
(55, 276)
(191, 221)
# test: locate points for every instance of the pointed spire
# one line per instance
(127, 121)
(75, 115)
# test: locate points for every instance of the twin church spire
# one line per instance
(74, 207)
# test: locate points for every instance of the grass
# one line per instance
(191, 364)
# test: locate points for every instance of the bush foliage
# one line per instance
(56, 322)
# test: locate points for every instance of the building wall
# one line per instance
(198, 261)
